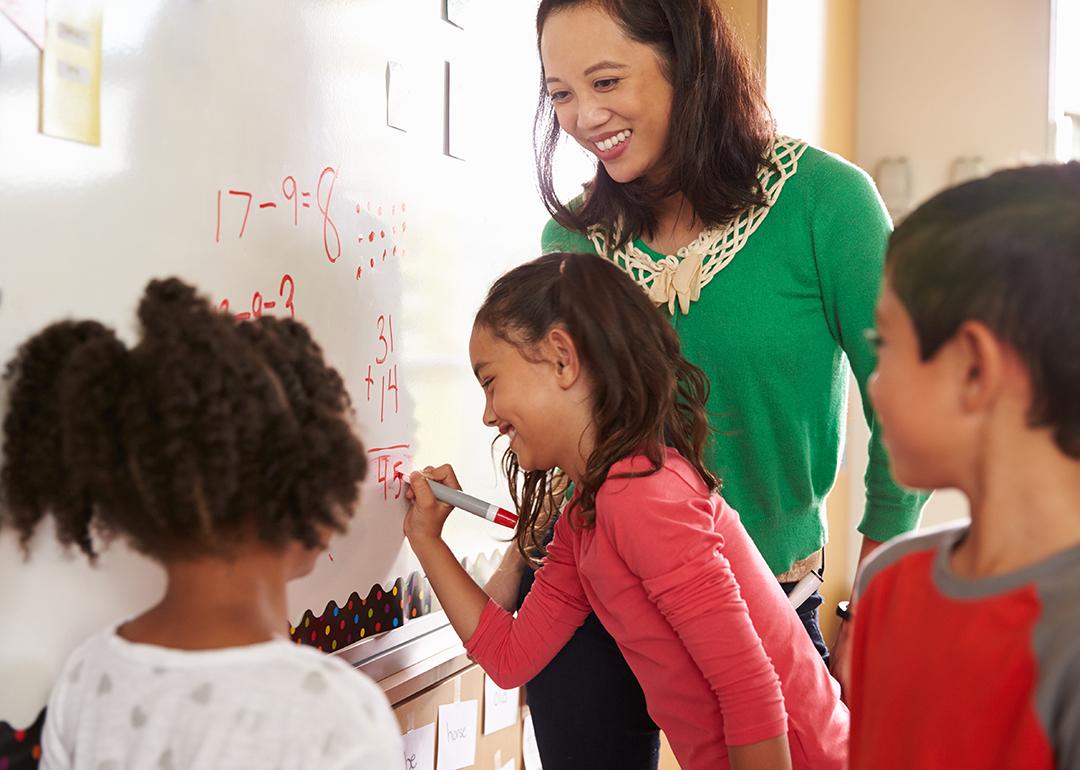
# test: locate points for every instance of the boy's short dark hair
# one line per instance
(1005, 251)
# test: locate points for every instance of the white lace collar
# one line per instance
(682, 276)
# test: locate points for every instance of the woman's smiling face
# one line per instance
(610, 92)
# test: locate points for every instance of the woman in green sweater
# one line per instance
(766, 253)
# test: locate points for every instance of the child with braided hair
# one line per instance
(225, 452)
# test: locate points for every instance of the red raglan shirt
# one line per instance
(950, 673)
(720, 653)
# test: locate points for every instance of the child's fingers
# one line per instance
(426, 515)
(421, 492)
(444, 474)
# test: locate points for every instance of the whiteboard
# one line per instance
(245, 148)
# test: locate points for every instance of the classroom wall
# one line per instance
(810, 74)
(748, 17)
(938, 81)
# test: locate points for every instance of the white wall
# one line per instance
(941, 80)
(1066, 79)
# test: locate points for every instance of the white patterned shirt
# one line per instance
(118, 705)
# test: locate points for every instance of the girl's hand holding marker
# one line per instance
(426, 515)
(442, 491)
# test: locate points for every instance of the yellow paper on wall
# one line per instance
(71, 71)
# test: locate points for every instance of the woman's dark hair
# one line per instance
(645, 394)
(1004, 251)
(720, 130)
(206, 432)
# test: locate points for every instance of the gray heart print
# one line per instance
(314, 682)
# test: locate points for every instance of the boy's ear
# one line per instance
(980, 362)
(563, 356)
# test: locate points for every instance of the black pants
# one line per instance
(588, 709)
(808, 614)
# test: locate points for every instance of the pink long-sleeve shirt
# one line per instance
(673, 576)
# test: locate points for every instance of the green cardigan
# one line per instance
(771, 331)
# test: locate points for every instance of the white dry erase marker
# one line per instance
(472, 504)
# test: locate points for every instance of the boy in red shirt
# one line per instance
(966, 643)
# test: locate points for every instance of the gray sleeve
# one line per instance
(1057, 652)
(902, 545)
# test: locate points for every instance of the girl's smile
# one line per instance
(509, 431)
(533, 399)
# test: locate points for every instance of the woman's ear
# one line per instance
(563, 356)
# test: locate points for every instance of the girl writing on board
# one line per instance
(583, 374)
(225, 452)
(766, 255)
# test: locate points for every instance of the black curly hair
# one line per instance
(205, 433)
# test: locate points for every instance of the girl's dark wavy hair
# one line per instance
(206, 432)
(645, 395)
(720, 130)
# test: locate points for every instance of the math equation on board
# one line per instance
(371, 232)
(282, 302)
(380, 385)
(391, 464)
(359, 235)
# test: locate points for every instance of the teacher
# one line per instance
(766, 253)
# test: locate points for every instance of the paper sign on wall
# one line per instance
(457, 735)
(530, 752)
(500, 706)
(458, 125)
(399, 96)
(71, 71)
(457, 12)
(420, 748)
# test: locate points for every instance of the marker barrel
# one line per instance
(473, 505)
(804, 589)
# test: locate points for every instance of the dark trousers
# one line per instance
(808, 614)
(588, 709)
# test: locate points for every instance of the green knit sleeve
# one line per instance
(557, 238)
(850, 228)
